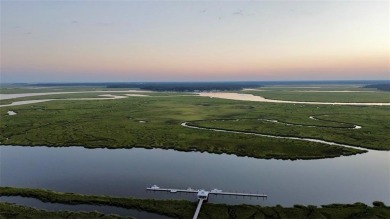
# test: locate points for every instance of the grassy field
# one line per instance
(336, 127)
(318, 87)
(182, 209)
(302, 95)
(155, 122)
(9, 210)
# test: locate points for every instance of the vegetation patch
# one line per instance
(107, 123)
(182, 208)
(313, 96)
(383, 87)
(330, 130)
(9, 210)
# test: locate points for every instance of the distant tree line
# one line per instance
(209, 86)
(166, 86)
(383, 87)
(190, 86)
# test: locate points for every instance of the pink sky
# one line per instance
(184, 41)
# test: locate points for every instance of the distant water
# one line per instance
(127, 172)
(12, 96)
(255, 98)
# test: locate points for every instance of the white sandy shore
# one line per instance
(101, 97)
(24, 102)
(251, 89)
(137, 95)
(11, 96)
(11, 113)
(250, 97)
(230, 96)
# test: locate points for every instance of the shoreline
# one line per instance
(254, 98)
(187, 151)
(185, 209)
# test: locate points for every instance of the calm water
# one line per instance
(127, 172)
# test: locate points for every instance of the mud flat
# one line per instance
(11, 96)
(250, 97)
(101, 97)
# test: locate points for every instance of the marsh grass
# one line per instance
(115, 124)
(182, 208)
(345, 97)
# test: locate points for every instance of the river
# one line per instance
(127, 172)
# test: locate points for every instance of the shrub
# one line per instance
(378, 204)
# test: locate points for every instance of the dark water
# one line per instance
(31, 202)
(127, 172)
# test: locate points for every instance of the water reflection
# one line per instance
(127, 172)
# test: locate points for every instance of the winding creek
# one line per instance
(311, 126)
(343, 123)
(185, 124)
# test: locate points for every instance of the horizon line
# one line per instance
(195, 81)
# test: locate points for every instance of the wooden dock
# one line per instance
(198, 209)
(203, 195)
(211, 192)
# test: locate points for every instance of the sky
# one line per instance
(93, 41)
